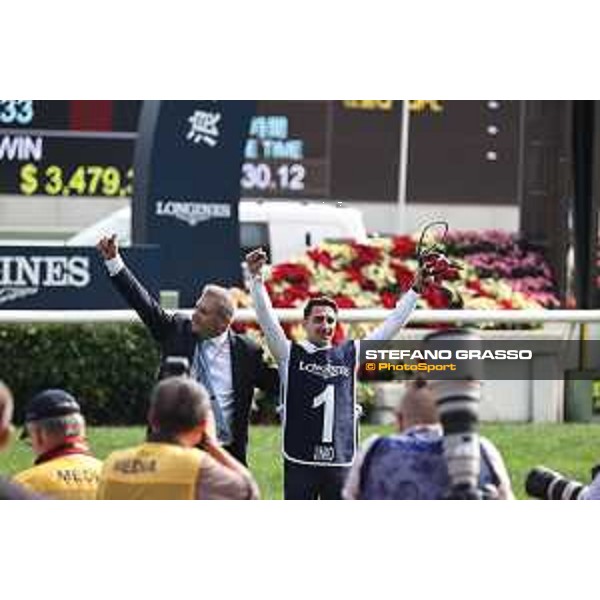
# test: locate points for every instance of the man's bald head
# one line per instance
(6, 413)
(417, 407)
(213, 312)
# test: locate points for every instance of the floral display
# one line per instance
(497, 271)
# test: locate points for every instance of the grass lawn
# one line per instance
(570, 448)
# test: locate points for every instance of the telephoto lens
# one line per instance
(545, 484)
(457, 397)
(174, 366)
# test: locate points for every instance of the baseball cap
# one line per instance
(50, 404)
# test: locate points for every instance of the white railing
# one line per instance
(355, 315)
(538, 401)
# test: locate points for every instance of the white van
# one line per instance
(284, 229)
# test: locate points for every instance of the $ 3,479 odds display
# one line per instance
(82, 180)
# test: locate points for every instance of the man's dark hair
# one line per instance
(177, 405)
(319, 301)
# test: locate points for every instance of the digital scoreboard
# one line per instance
(345, 150)
(67, 148)
(459, 151)
(464, 151)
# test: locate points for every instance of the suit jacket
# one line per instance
(173, 333)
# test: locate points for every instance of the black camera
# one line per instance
(545, 484)
(457, 398)
(174, 366)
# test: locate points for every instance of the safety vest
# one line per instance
(411, 466)
(151, 471)
(70, 477)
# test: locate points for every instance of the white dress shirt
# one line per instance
(218, 361)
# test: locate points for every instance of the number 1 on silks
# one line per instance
(327, 398)
(319, 412)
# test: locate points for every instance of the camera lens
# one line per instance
(457, 399)
(174, 366)
(545, 484)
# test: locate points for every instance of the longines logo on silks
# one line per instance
(325, 371)
(22, 276)
(193, 212)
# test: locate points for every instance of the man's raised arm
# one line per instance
(275, 336)
(132, 291)
(398, 317)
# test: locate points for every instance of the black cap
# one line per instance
(49, 404)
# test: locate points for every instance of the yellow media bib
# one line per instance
(152, 471)
(72, 477)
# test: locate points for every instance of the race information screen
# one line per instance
(67, 147)
(346, 150)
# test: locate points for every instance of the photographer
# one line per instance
(64, 468)
(411, 464)
(592, 491)
(168, 466)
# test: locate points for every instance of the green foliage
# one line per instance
(109, 368)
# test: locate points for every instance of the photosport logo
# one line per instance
(22, 276)
(193, 213)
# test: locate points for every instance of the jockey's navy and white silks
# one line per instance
(307, 397)
(319, 404)
(411, 466)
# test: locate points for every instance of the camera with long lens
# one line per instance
(545, 484)
(457, 397)
(174, 366)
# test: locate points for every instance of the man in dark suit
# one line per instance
(229, 365)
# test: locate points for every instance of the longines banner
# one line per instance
(58, 277)
(187, 166)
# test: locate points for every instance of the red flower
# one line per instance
(476, 287)
(241, 327)
(403, 246)
(404, 276)
(297, 275)
(506, 304)
(290, 297)
(354, 274)
(450, 274)
(344, 302)
(365, 255)
(436, 297)
(357, 276)
(388, 299)
(320, 257)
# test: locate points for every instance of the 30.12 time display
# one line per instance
(264, 176)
